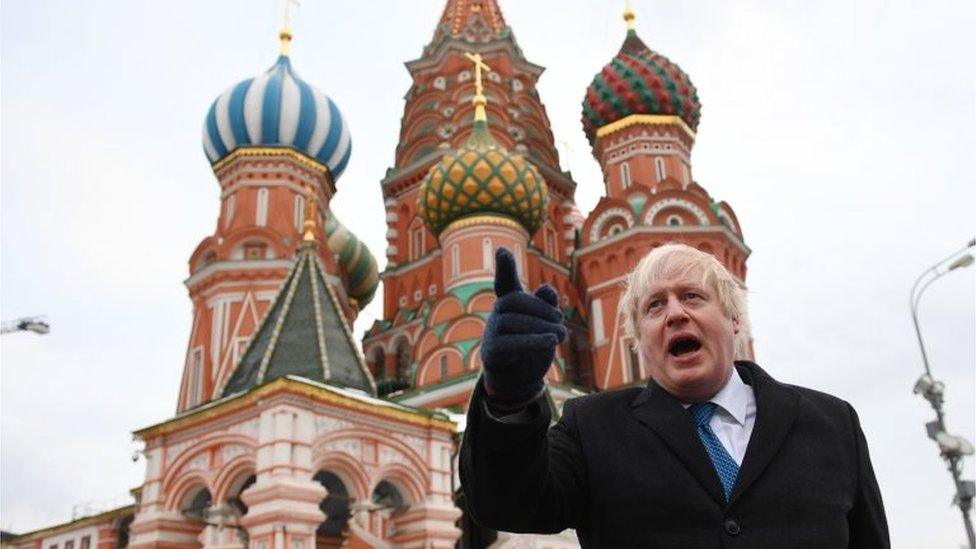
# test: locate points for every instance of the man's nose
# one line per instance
(675, 312)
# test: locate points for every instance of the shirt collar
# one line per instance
(734, 397)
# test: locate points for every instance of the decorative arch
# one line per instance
(175, 474)
(481, 302)
(349, 470)
(403, 358)
(410, 484)
(679, 203)
(446, 308)
(414, 471)
(605, 217)
(433, 361)
(185, 487)
(468, 327)
(233, 472)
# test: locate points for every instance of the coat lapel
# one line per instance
(776, 410)
(663, 414)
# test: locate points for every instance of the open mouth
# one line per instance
(684, 345)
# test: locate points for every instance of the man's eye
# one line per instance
(693, 295)
(652, 305)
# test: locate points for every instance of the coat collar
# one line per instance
(776, 410)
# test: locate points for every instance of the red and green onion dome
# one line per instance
(482, 178)
(639, 81)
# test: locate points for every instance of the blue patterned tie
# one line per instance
(725, 466)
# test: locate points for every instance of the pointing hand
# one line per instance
(520, 336)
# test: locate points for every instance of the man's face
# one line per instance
(685, 338)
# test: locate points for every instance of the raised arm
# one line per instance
(517, 474)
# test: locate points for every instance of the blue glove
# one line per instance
(520, 337)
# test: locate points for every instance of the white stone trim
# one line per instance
(675, 203)
(606, 215)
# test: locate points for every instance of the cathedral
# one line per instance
(288, 432)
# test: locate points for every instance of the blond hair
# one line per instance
(675, 260)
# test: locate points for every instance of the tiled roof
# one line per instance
(304, 334)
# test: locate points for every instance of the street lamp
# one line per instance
(27, 324)
(952, 448)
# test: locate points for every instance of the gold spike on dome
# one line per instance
(309, 226)
(479, 100)
(285, 35)
(629, 16)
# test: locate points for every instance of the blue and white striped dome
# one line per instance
(277, 108)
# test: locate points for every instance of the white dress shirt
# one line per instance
(734, 417)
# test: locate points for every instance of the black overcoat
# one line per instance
(626, 468)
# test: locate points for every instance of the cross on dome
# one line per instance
(286, 35)
(479, 101)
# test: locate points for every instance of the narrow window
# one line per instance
(417, 243)
(195, 393)
(518, 259)
(262, 210)
(455, 261)
(299, 211)
(659, 164)
(486, 259)
(86, 542)
(229, 210)
(443, 367)
(70, 544)
(550, 243)
(598, 334)
(625, 174)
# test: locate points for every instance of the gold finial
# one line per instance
(285, 34)
(629, 16)
(479, 101)
(309, 226)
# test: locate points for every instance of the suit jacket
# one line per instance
(626, 468)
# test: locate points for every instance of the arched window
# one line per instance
(443, 372)
(416, 243)
(261, 219)
(403, 360)
(486, 259)
(299, 211)
(335, 505)
(659, 165)
(386, 496)
(625, 174)
(229, 210)
(195, 506)
(455, 261)
(550, 243)
(379, 363)
(194, 394)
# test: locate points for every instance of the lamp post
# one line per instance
(952, 448)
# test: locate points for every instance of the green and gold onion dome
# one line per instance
(639, 81)
(357, 261)
(482, 178)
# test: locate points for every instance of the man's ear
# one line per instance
(735, 326)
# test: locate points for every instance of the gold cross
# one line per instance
(629, 16)
(478, 65)
(479, 99)
(285, 34)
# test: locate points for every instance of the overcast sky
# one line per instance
(842, 133)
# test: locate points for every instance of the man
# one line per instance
(707, 455)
